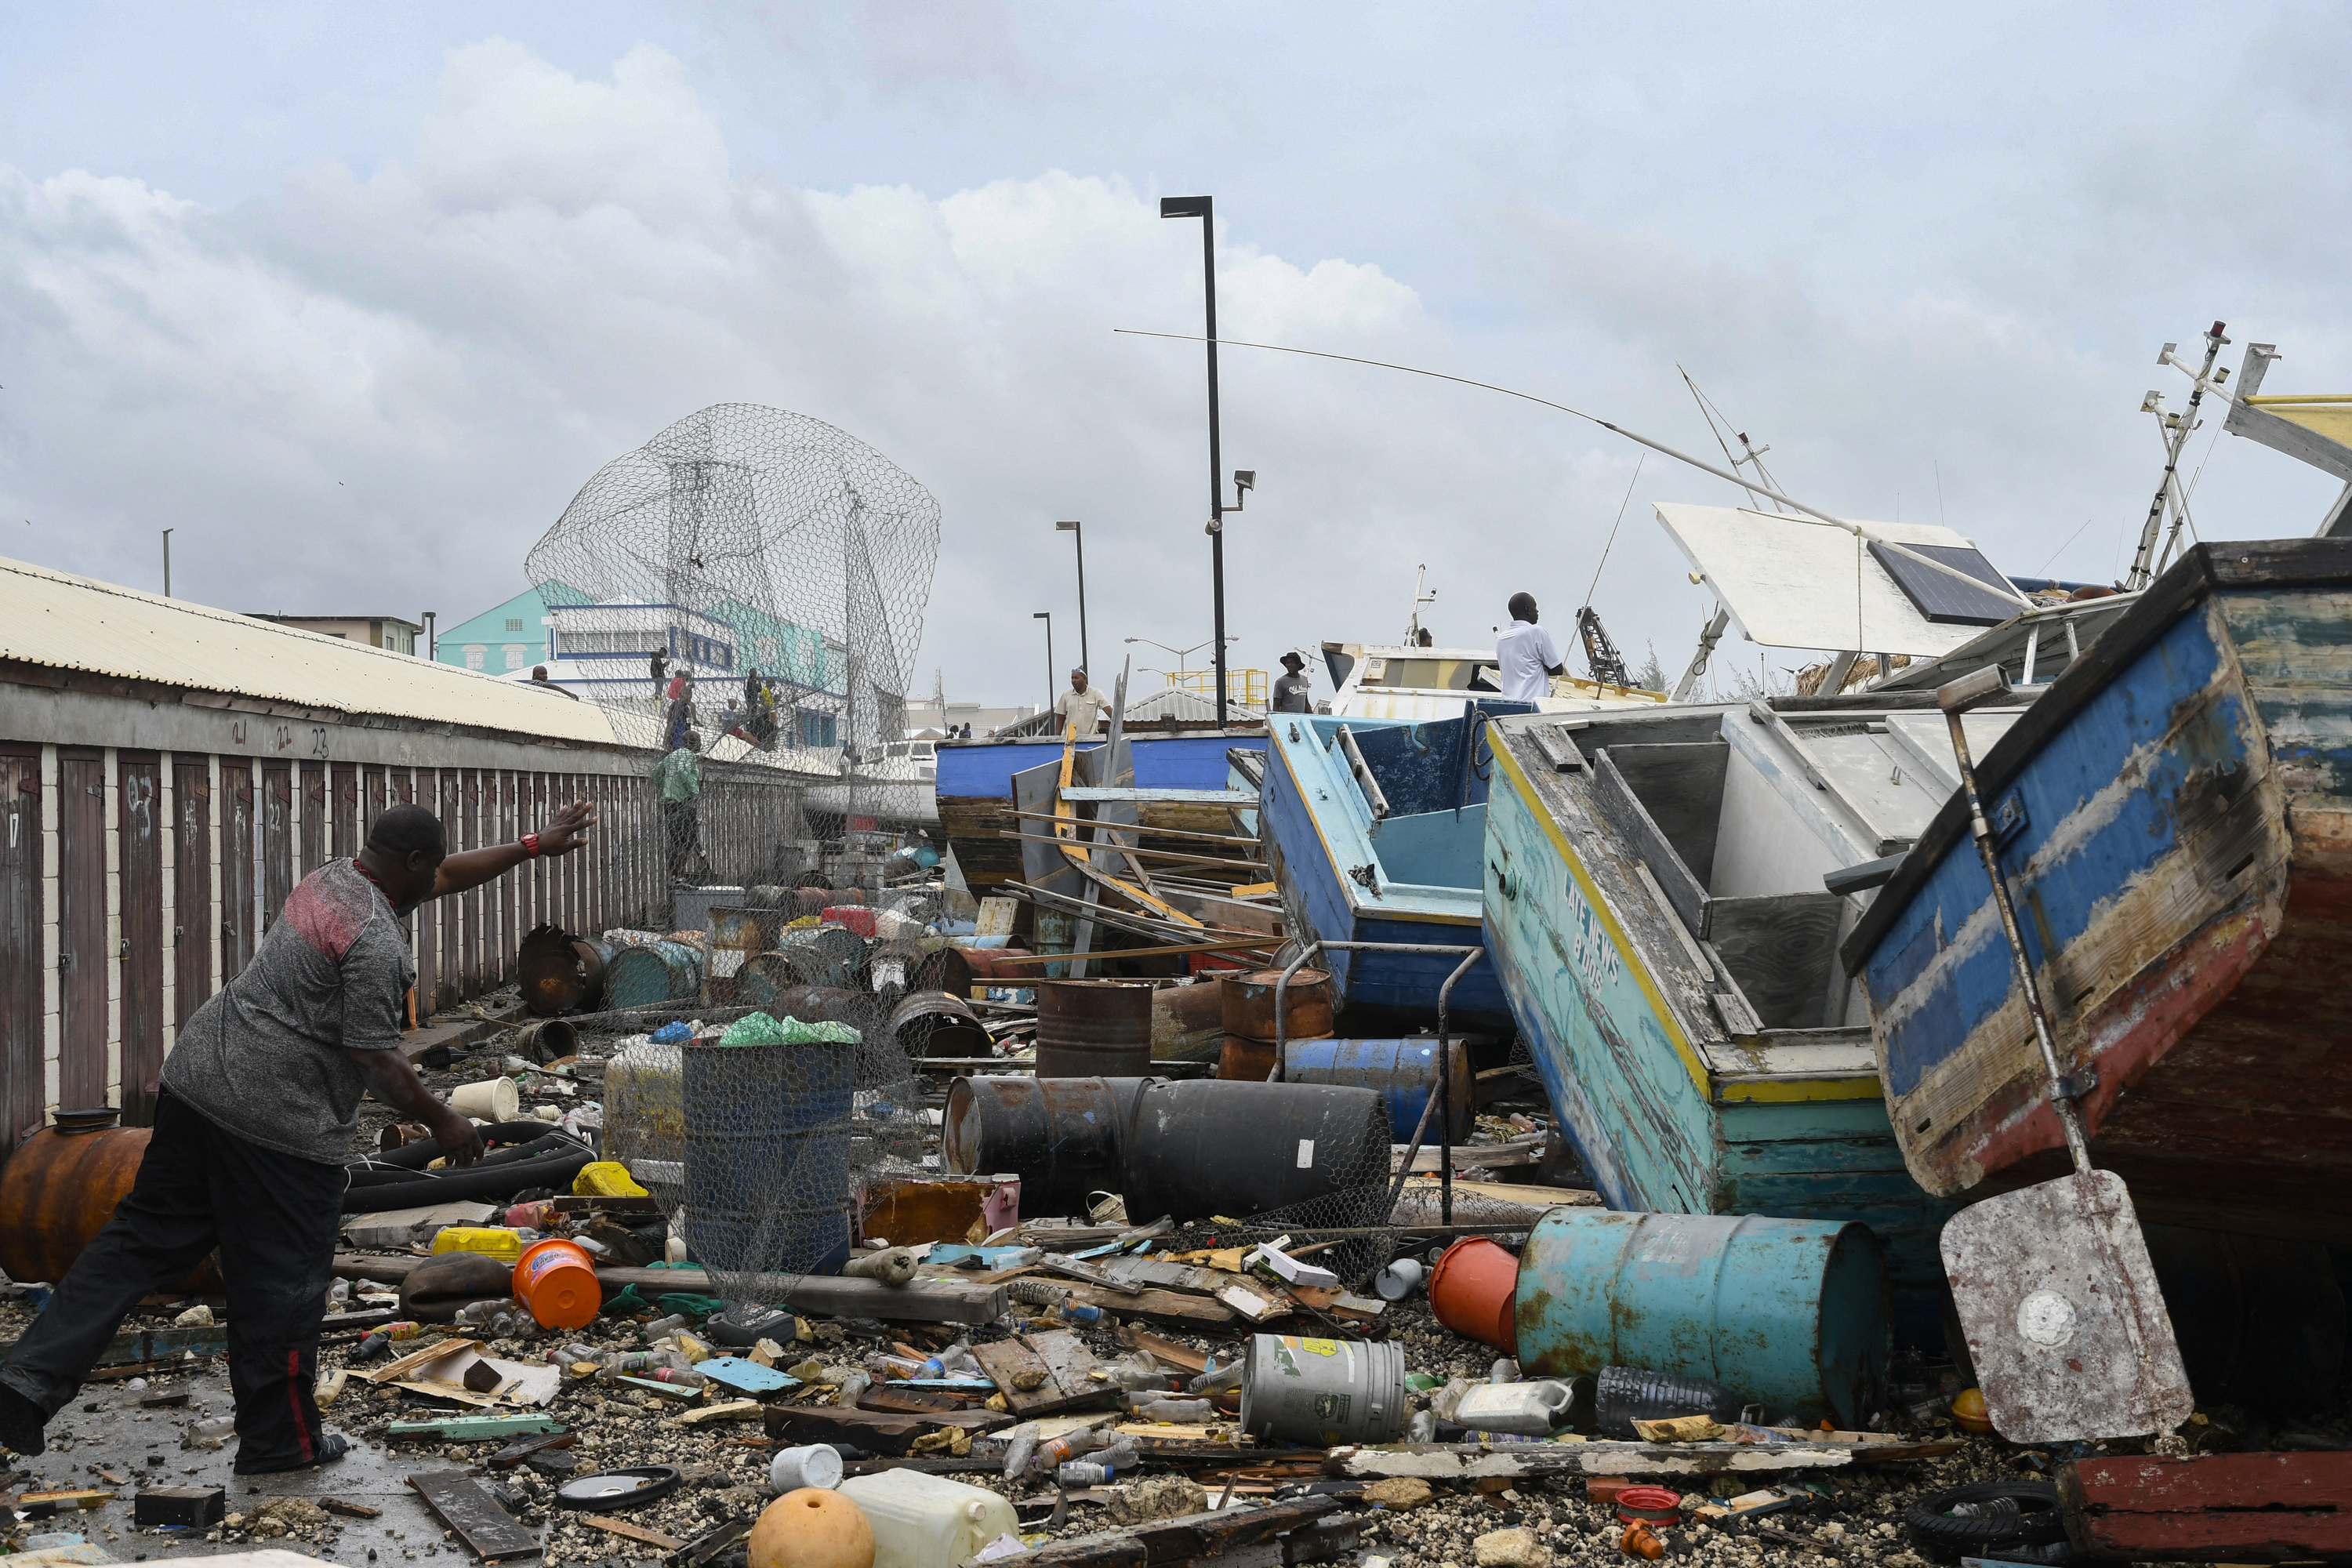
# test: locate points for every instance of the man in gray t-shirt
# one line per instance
(260, 1094)
(1293, 693)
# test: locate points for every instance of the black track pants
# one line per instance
(274, 1218)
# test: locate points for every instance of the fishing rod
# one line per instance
(1857, 530)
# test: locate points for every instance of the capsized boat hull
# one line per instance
(2178, 813)
(1667, 1110)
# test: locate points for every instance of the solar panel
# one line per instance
(1940, 598)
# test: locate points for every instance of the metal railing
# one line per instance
(1241, 685)
(1441, 1096)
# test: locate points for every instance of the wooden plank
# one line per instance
(1106, 793)
(83, 958)
(139, 834)
(633, 1532)
(192, 927)
(1167, 1352)
(1166, 1306)
(1056, 1365)
(1470, 1461)
(2236, 1508)
(488, 1530)
(875, 1431)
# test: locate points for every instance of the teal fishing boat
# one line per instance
(1656, 915)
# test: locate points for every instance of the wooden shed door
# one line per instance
(192, 902)
(139, 836)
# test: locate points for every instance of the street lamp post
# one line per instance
(1180, 654)
(1203, 208)
(167, 563)
(1085, 662)
(1047, 616)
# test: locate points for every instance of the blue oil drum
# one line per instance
(650, 975)
(1788, 1313)
(767, 1155)
(1402, 1072)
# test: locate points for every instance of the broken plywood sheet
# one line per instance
(438, 1372)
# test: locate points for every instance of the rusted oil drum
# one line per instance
(934, 1024)
(1187, 1021)
(990, 964)
(1092, 1028)
(1241, 1060)
(562, 972)
(770, 988)
(891, 967)
(1205, 1147)
(1063, 1137)
(654, 974)
(1403, 1072)
(943, 968)
(61, 1188)
(1249, 1005)
(544, 1040)
(809, 900)
(823, 955)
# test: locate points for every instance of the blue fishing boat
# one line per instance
(975, 791)
(1656, 917)
(1372, 829)
(2174, 814)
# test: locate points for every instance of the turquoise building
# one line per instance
(509, 637)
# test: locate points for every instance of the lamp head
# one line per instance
(1245, 478)
(1066, 528)
(1183, 206)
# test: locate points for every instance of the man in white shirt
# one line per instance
(1077, 710)
(1529, 657)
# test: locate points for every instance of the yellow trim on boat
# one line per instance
(1785, 1090)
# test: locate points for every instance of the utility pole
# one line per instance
(167, 563)
(1203, 208)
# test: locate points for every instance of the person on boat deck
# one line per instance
(1292, 688)
(1077, 710)
(1529, 657)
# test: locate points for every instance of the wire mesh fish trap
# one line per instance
(766, 1167)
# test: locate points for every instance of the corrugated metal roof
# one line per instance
(65, 622)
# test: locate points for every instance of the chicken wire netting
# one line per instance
(781, 562)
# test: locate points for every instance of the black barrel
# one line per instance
(1213, 1146)
(934, 1024)
(1063, 1137)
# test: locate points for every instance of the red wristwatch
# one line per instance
(531, 845)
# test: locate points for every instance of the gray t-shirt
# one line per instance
(1292, 693)
(264, 1058)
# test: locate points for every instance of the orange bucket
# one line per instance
(556, 1279)
(1471, 1291)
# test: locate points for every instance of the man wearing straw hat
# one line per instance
(253, 1123)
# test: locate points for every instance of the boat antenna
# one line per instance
(1413, 622)
(1857, 530)
(1754, 454)
(2175, 429)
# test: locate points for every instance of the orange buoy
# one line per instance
(557, 1280)
(812, 1528)
(1968, 1413)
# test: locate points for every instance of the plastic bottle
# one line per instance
(661, 1326)
(1121, 1455)
(1073, 1313)
(376, 1344)
(1135, 1372)
(679, 1376)
(1531, 1409)
(480, 1313)
(1625, 1394)
(1445, 1399)
(1052, 1456)
(959, 1362)
(1505, 1370)
(636, 1363)
(1176, 1412)
(1215, 1379)
(218, 1427)
(1083, 1473)
(570, 1355)
(1037, 1293)
(338, 1294)
(900, 1366)
(1019, 1449)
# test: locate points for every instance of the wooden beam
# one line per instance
(1245, 799)
(1248, 944)
(928, 1301)
(1143, 831)
(1237, 862)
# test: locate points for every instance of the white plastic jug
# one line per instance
(927, 1521)
(1528, 1409)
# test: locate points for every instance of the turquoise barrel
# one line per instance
(650, 976)
(1402, 1072)
(767, 1160)
(1790, 1314)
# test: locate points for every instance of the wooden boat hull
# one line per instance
(1322, 848)
(2183, 873)
(975, 792)
(1668, 1112)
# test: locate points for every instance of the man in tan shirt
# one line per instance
(1078, 710)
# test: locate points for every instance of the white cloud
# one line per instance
(375, 388)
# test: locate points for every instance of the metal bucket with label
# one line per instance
(1322, 1392)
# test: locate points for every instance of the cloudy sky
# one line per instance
(355, 299)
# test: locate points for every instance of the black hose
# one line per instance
(472, 1184)
(417, 1155)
